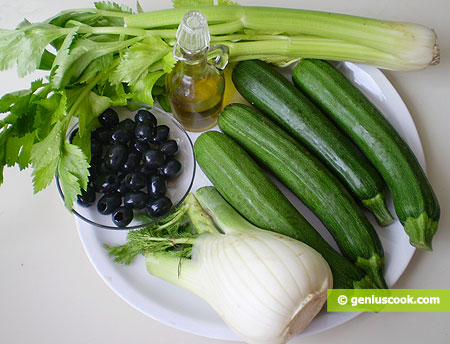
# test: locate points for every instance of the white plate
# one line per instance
(179, 308)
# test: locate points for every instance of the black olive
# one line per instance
(116, 156)
(171, 168)
(109, 203)
(102, 169)
(153, 159)
(121, 136)
(122, 188)
(91, 182)
(122, 216)
(96, 150)
(87, 197)
(169, 148)
(121, 176)
(159, 207)
(144, 131)
(135, 181)
(109, 118)
(161, 134)
(135, 199)
(72, 135)
(133, 162)
(127, 124)
(156, 186)
(102, 135)
(145, 116)
(146, 171)
(106, 183)
(141, 146)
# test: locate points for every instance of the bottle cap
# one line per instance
(193, 32)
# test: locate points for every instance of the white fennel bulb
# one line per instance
(267, 287)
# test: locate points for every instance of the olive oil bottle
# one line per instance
(196, 86)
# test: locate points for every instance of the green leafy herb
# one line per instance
(87, 105)
(73, 171)
(139, 7)
(136, 61)
(112, 6)
(142, 90)
(26, 45)
(18, 150)
(172, 235)
(45, 156)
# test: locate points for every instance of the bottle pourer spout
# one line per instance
(193, 32)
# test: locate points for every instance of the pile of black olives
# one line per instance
(131, 162)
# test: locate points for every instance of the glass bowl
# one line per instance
(177, 188)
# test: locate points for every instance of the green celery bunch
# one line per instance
(109, 56)
(88, 73)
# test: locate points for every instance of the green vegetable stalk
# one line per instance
(108, 56)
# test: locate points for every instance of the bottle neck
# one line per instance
(194, 64)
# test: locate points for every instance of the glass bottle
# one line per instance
(196, 86)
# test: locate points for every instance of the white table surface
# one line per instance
(50, 293)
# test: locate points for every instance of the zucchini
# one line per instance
(276, 97)
(415, 203)
(240, 180)
(310, 181)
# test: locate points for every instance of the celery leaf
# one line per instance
(116, 93)
(142, 90)
(64, 49)
(26, 45)
(43, 176)
(49, 111)
(82, 53)
(112, 6)
(18, 150)
(136, 61)
(2, 155)
(97, 66)
(139, 7)
(86, 106)
(45, 156)
(21, 106)
(84, 143)
(168, 62)
(48, 149)
(73, 172)
(16, 102)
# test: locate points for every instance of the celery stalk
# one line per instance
(398, 46)
(316, 47)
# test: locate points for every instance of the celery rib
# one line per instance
(314, 48)
(391, 45)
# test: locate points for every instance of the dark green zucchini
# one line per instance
(415, 202)
(310, 181)
(275, 96)
(240, 180)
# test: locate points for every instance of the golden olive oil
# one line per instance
(195, 87)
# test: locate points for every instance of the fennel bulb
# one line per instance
(266, 287)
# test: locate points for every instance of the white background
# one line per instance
(49, 292)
